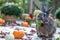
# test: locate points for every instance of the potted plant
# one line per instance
(11, 12)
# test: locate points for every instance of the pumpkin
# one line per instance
(1, 21)
(25, 24)
(18, 34)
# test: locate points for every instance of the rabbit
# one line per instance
(47, 28)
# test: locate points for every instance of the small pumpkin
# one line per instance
(1, 21)
(25, 24)
(18, 34)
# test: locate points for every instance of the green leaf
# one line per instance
(38, 23)
(58, 39)
(57, 13)
(1, 15)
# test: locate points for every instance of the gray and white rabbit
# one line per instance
(48, 27)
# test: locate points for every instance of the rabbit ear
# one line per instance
(49, 11)
(43, 9)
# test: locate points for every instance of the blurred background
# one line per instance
(30, 5)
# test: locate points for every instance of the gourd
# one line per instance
(9, 37)
(27, 19)
(25, 24)
(18, 34)
(33, 25)
(1, 21)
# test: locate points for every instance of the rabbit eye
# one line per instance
(44, 15)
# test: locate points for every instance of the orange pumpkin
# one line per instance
(1, 21)
(25, 24)
(18, 34)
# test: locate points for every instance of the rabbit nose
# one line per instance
(46, 23)
(42, 24)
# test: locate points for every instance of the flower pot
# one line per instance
(9, 19)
